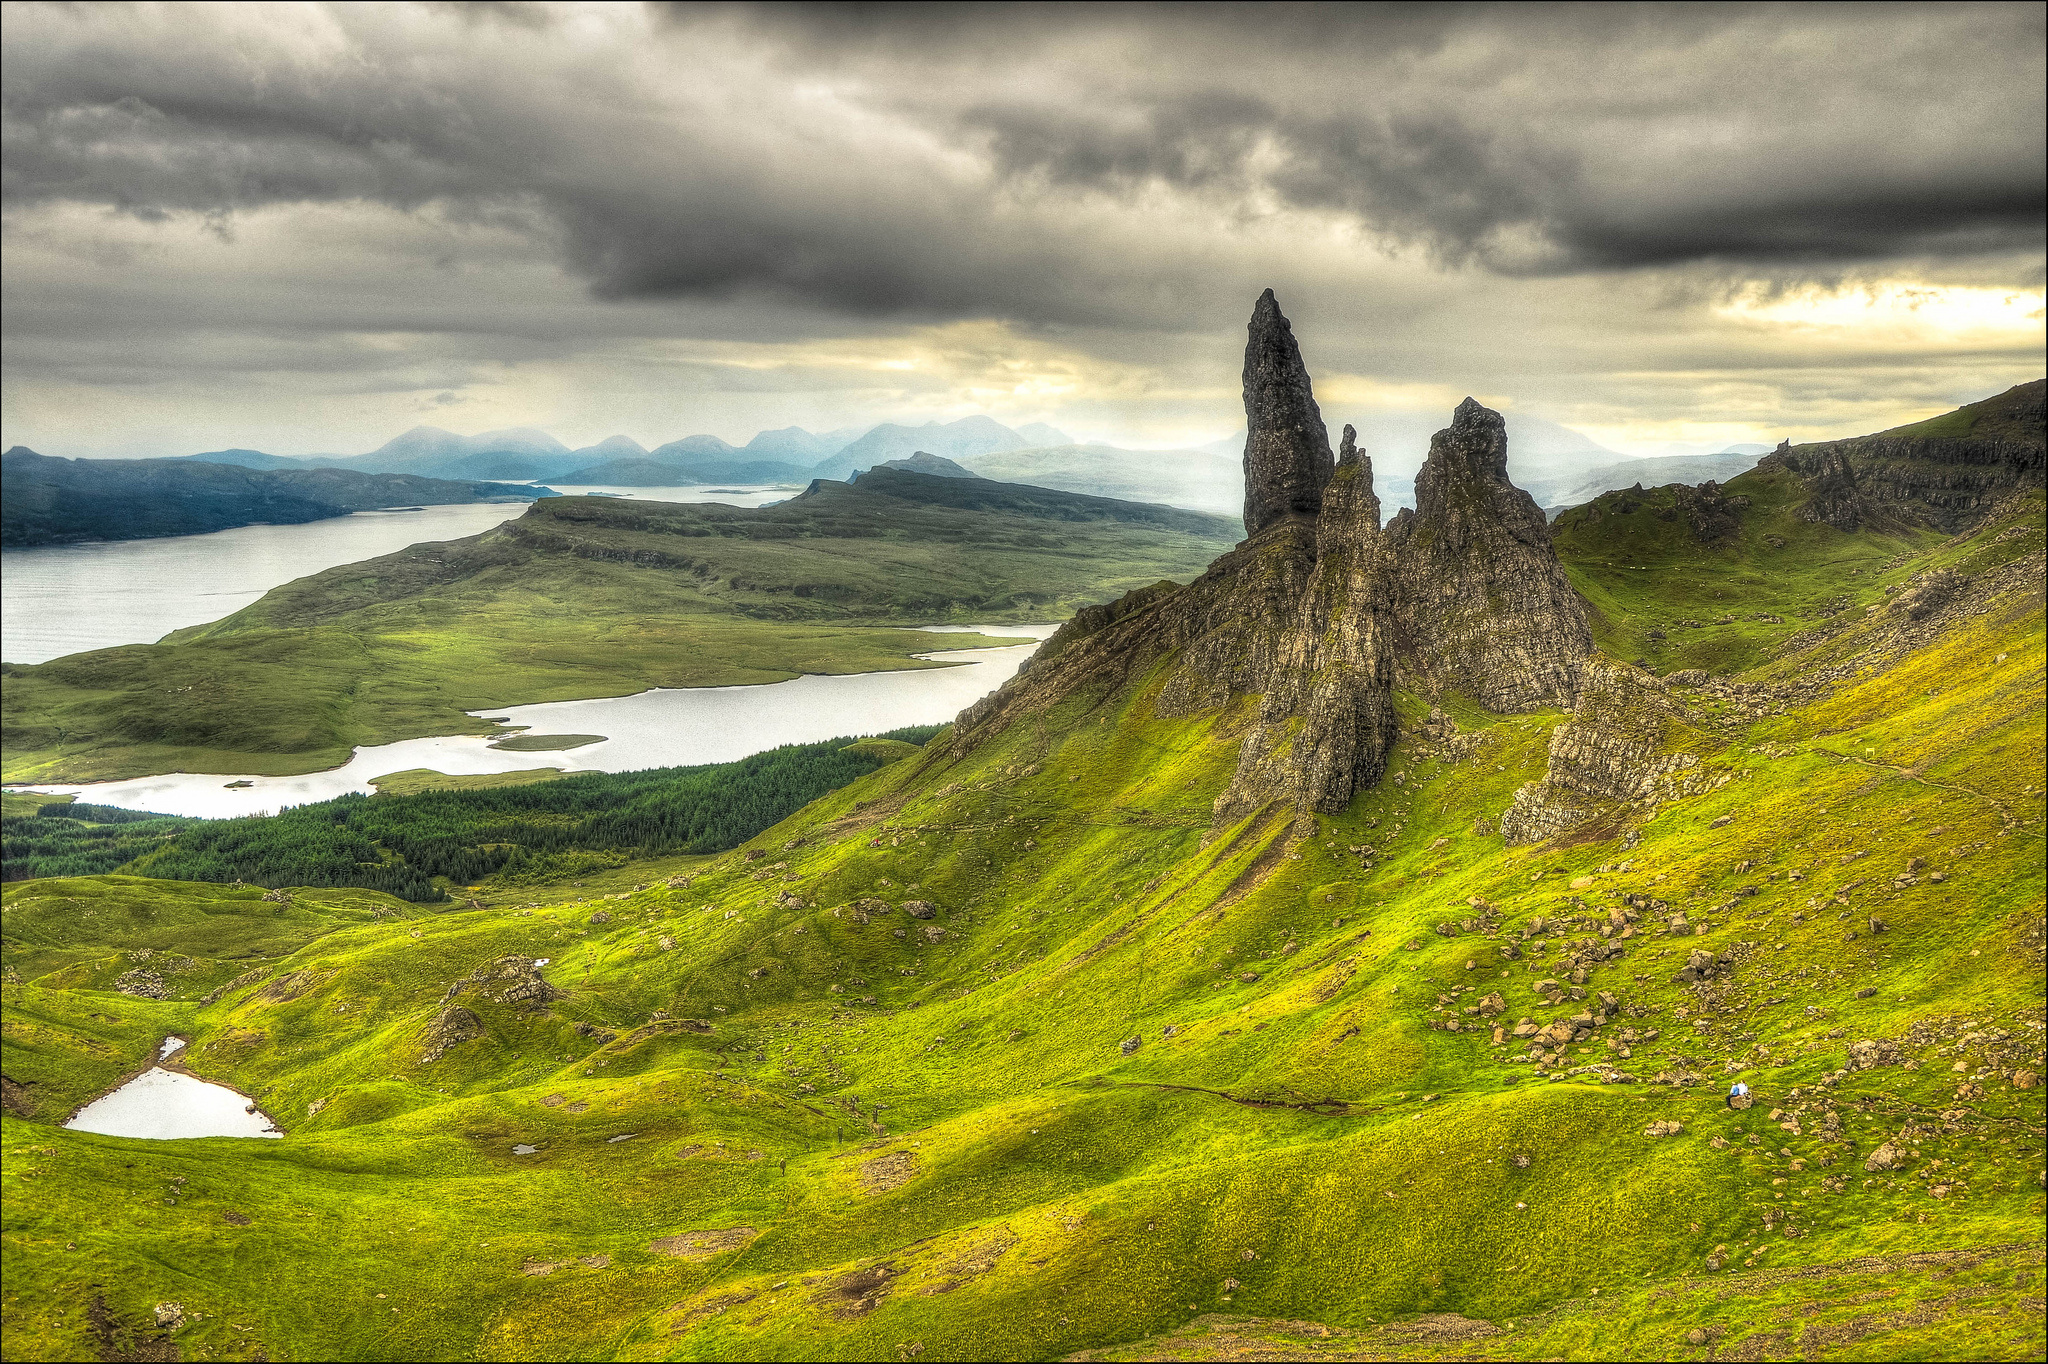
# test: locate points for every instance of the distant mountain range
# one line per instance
(789, 455)
(50, 501)
(1559, 466)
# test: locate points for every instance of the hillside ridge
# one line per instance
(51, 500)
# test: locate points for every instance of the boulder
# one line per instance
(920, 909)
(1887, 1157)
(1701, 965)
(1871, 1053)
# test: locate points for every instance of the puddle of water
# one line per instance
(170, 1045)
(167, 1105)
(627, 1136)
(665, 727)
(524, 1150)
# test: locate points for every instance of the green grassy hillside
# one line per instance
(588, 597)
(1015, 1056)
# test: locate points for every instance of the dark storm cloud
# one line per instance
(1522, 139)
(1594, 139)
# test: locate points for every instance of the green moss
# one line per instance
(1313, 1145)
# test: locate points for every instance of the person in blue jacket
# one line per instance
(1738, 1090)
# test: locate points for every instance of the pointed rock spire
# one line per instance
(1484, 606)
(1287, 448)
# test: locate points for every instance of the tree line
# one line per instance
(411, 846)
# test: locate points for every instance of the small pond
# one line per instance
(168, 1104)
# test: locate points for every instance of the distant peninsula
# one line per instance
(52, 501)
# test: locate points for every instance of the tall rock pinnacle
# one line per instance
(1314, 620)
(1484, 606)
(1287, 448)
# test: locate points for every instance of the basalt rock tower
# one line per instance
(1286, 445)
(1312, 621)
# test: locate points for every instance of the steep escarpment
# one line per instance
(1947, 472)
(1309, 622)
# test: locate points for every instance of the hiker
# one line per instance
(1738, 1090)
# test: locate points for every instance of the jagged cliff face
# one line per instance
(1917, 476)
(1314, 617)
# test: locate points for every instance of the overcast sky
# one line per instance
(305, 228)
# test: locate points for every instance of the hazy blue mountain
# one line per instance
(515, 453)
(692, 450)
(1651, 473)
(612, 447)
(640, 472)
(1038, 433)
(746, 471)
(955, 440)
(793, 445)
(1197, 480)
(246, 459)
(45, 500)
(648, 472)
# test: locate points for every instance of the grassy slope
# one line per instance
(1060, 1195)
(2003, 416)
(580, 598)
(1641, 573)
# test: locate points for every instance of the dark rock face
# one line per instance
(1713, 515)
(1832, 498)
(1307, 623)
(1482, 604)
(1908, 477)
(1286, 447)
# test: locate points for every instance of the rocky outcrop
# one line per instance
(1482, 604)
(511, 980)
(1326, 712)
(1946, 473)
(1925, 593)
(1311, 619)
(451, 1027)
(1832, 498)
(1620, 750)
(1711, 514)
(1286, 446)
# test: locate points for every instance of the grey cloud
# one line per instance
(1829, 135)
(1482, 135)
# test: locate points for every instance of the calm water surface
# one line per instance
(63, 599)
(168, 1104)
(666, 727)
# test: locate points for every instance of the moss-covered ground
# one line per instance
(1141, 1087)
